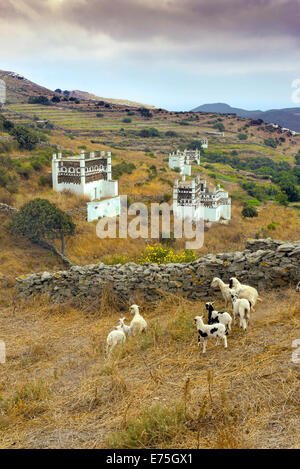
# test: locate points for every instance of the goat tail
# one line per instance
(259, 299)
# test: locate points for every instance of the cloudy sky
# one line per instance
(175, 54)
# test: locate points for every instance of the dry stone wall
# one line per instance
(265, 264)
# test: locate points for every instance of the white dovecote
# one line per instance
(88, 174)
(192, 199)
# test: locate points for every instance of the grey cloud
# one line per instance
(264, 32)
(176, 20)
(185, 20)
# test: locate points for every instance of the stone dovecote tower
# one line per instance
(193, 200)
(183, 160)
(86, 174)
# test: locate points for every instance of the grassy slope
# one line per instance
(58, 391)
(56, 388)
(86, 248)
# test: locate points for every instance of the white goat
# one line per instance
(126, 329)
(215, 317)
(224, 287)
(245, 291)
(138, 323)
(115, 337)
(241, 307)
(209, 331)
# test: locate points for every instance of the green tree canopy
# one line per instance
(40, 220)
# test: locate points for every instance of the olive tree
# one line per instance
(39, 220)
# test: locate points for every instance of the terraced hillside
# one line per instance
(121, 127)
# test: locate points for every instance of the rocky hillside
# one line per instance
(20, 89)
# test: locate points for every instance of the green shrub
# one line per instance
(253, 203)
(270, 142)
(45, 180)
(39, 100)
(171, 133)
(194, 145)
(150, 132)
(219, 126)
(25, 137)
(156, 426)
(122, 168)
(282, 199)
(249, 212)
(145, 112)
(4, 177)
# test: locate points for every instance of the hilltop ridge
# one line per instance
(287, 117)
(20, 89)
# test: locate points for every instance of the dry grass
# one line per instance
(20, 256)
(57, 390)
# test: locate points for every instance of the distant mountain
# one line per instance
(288, 118)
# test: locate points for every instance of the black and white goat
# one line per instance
(209, 331)
(216, 317)
(241, 307)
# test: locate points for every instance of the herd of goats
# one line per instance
(243, 299)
